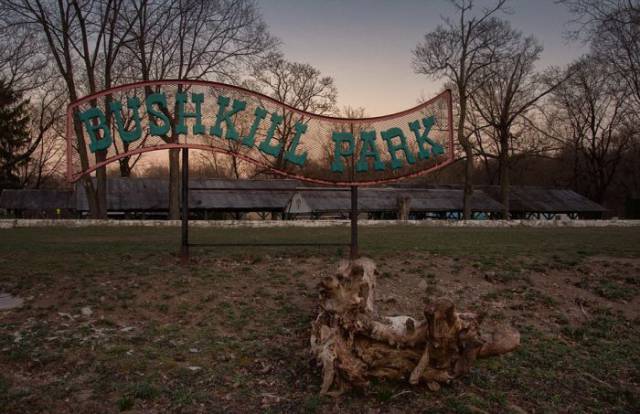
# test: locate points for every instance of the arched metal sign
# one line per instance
(269, 135)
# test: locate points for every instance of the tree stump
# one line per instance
(353, 344)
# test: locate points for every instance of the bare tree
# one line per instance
(457, 51)
(73, 34)
(21, 59)
(187, 39)
(508, 90)
(194, 39)
(298, 85)
(613, 29)
(47, 132)
(598, 125)
(23, 65)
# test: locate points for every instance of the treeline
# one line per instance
(54, 52)
(516, 123)
(575, 126)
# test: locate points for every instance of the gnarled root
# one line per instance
(353, 343)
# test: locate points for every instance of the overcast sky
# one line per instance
(365, 45)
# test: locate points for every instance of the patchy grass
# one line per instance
(610, 288)
(229, 331)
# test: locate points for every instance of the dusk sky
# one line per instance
(365, 45)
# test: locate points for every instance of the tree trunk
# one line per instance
(125, 168)
(174, 184)
(404, 207)
(90, 193)
(504, 176)
(101, 187)
(468, 151)
(468, 183)
(87, 183)
(353, 344)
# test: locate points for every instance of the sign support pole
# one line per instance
(354, 222)
(353, 254)
(184, 247)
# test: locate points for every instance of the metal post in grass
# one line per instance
(354, 205)
(184, 249)
(354, 222)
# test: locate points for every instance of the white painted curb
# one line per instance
(23, 223)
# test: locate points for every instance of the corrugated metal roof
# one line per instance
(235, 195)
(149, 194)
(36, 199)
(245, 184)
(240, 200)
(530, 199)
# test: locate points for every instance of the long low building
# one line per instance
(39, 203)
(526, 202)
(381, 202)
(219, 198)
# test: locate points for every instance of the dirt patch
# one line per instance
(230, 334)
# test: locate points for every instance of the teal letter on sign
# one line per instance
(133, 104)
(250, 139)
(225, 117)
(181, 100)
(369, 149)
(265, 146)
(340, 138)
(160, 100)
(291, 155)
(388, 136)
(87, 117)
(423, 139)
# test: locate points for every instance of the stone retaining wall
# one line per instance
(21, 223)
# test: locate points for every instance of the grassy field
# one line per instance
(112, 321)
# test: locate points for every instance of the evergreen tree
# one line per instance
(15, 140)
